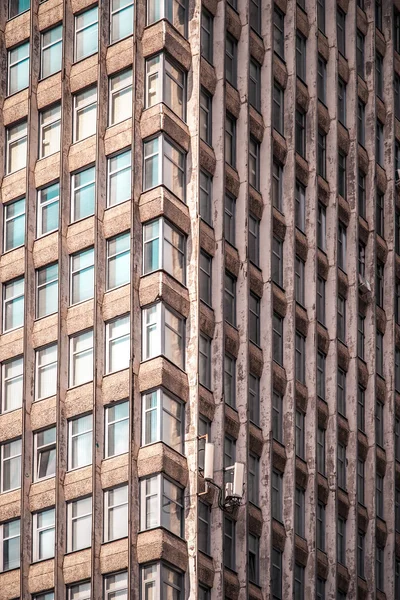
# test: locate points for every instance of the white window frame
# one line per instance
(159, 410)
(37, 531)
(40, 286)
(12, 299)
(120, 89)
(21, 138)
(82, 272)
(43, 204)
(161, 72)
(37, 453)
(159, 322)
(156, 579)
(163, 241)
(114, 257)
(72, 358)
(108, 423)
(78, 594)
(49, 123)
(3, 539)
(72, 436)
(71, 519)
(159, 495)
(83, 107)
(75, 188)
(17, 457)
(110, 507)
(119, 585)
(161, 158)
(77, 31)
(114, 13)
(115, 172)
(43, 366)
(13, 65)
(43, 48)
(165, 8)
(113, 339)
(5, 381)
(8, 220)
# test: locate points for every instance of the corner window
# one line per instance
(44, 534)
(47, 209)
(164, 247)
(81, 358)
(10, 545)
(13, 304)
(86, 33)
(50, 130)
(116, 514)
(120, 97)
(165, 82)
(116, 429)
(51, 51)
(14, 224)
(163, 334)
(85, 114)
(44, 443)
(16, 149)
(18, 68)
(161, 579)
(79, 526)
(83, 194)
(10, 465)
(164, 164)
(119, 172)
(117, 344)
(12, 375)
(172, 10)
(162, 419)
(207, 23)
(121, 15)
(46, 372)
(161, 504)
(118, 261)
(82, 276)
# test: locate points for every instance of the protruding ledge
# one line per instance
(163, 36)
(161, 118)
(160, 202)
(160, 372)
(159, 544)
(160, 458)
(161, 286)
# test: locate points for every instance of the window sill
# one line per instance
(14, 94)
(130, 35)
(38, 319)
(48, 76)
(79, 60)
(104, 543)
(43, 235)
(78, 385)
(184, 37)
(145, 360)
(12, 249)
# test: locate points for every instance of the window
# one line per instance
(10, 545)
(321, 300)
(79, 591)
(47, 210)
(169, 255)
(230, 380)
(205, 196)
(278, 108)
(254, 319)
(362, 195)
(299, 514)
(255, 15)
(379, 214)
(321, 465)
(379, 496)
(279, 32)
(12, 372)
(277, 481)
(18, 68)
(47, 290)
(83, 194)
(43, 534)
(16, 7)
(321, 519)
(380, 582)
(299, 280)
(277, 192)
(121, 19)
(79, 524)
(85, 112)
(397, 509)
(164, 581)
(361, 122)
(361, 336)
(321, 154)
(204, 430)
(45, 596)
(229, 458)
(205, 278)
(361, 554)
(119, 178)
(50, 130)
(231, 60)
(81, 358)
(342, 101)
(300, 346)
(161, 504)
(116, 513)
(165, 82)
(361, 409)
(301, 69)
(230, 299)
(300, 434)
(45, 454)
(298, 582)
(379, 143)
(276, 574)
(172, 10)
(397, 369)
(253, 479)
(80, 431)
(116, 429)
(341, 30)
(342, 239)
(277, 339)
(379, 430)
(378, 14)
(341, 466)
(229, 543)
(320, 588)
(341, 391)
(379, 74)
(379, 353)
(360, 54)
(11, 465)
(300, 133)
(321, 227)
(277, 261)
(321, 360)
(397, 574)
(51, 51)
(361, 259)
(82, 276)
(118, 261)
(341, 319)
(300, 206)
(254, 239)
(16, 136)
(277, 417)
(396, 30)
(120, 97)
(254, 558)
(397, 232)
(14, 224)
(163, 334)
(13, 304)
(204, 527)
(341, 540)
(116, 586)
(230, 140)
(164, 164)
(207, 23)
(86, 33)
(379, 283)
(205, 116)
(321, 15)
(397, 96)
(361, 481)
(254, 398)
(321, 79)
(255, 84)
(342, 183)
(254, 163)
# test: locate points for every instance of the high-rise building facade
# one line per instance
(200, 231)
